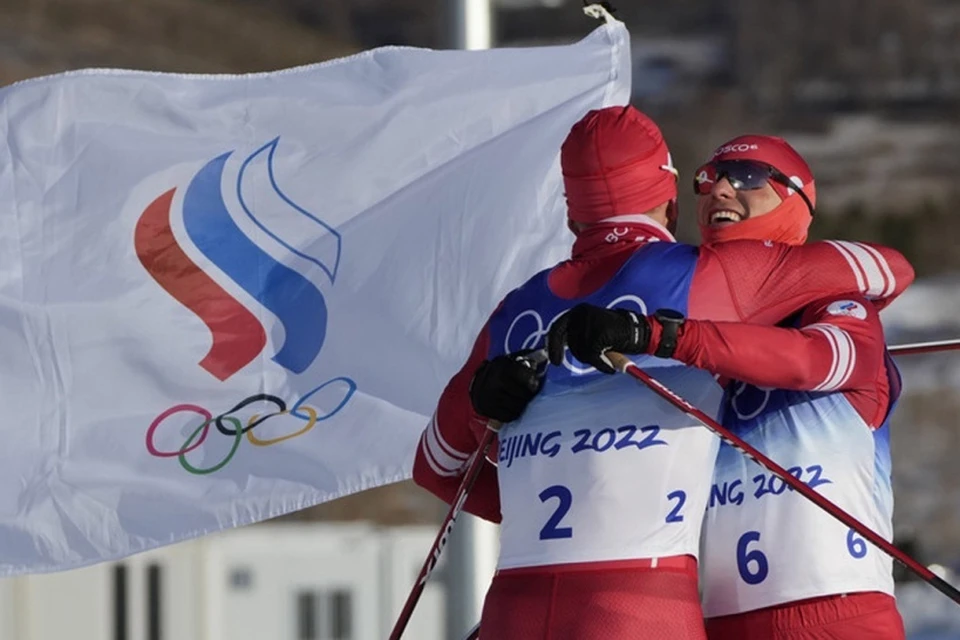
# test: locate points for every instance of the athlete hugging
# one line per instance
(616, 511)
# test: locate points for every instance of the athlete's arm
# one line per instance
(839, 347)
(766, 282)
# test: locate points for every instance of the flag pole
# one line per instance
(473, 545)
(457, 587)
(472, 24)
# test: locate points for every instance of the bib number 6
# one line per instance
(751, 564)
(856, 546)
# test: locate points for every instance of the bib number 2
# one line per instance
(551, 530)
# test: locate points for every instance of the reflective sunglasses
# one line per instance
(742, 175)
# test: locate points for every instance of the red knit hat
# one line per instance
(789, 222)
(615, 162)
(775, 152)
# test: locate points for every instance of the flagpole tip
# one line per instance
(600, 10)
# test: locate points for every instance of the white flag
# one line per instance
(225, 298)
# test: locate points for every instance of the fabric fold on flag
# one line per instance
(228, 297)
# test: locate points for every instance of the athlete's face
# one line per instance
(724, 205)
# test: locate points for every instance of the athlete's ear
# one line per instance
(673, 215)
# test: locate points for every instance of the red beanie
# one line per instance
(615, 162)
(775, 152)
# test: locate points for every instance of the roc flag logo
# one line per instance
(238, 335)
(238, 332)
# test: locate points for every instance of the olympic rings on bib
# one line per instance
(529, 331)
(229, 425)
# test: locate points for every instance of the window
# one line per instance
(341, 616)
(240, 578)
(154, 598)
(324, 614)
(120, 602)
(307, 610)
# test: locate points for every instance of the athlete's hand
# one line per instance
(590, 331)
(502, 388)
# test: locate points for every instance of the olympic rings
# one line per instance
(515, 339)
(235, 428)
(166, 414)
(220, 465)
(254, 440)
(743, 387)
(351, 387)
(281, 409)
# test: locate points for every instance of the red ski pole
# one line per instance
(924, 347)
(531, 359)
(626, 366)
(469, 479)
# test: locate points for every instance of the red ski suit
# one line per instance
(740, 281)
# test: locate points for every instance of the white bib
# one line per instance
(763, 543)
(607, 471)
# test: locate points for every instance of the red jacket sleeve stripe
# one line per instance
(874, 275)
(442, 458)
(445, 447)
(844, 356)
(884, 266)
(431, 462)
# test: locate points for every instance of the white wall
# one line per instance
(404, 553)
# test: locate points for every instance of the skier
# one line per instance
(602, 486)
(816, 396)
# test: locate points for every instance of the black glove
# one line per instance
(502, 388)
(590, 331)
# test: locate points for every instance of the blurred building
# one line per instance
(287, 582)
(267, 582)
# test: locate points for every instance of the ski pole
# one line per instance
(623, 364)
(469, 479)
(533, 360)
(924, 347)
